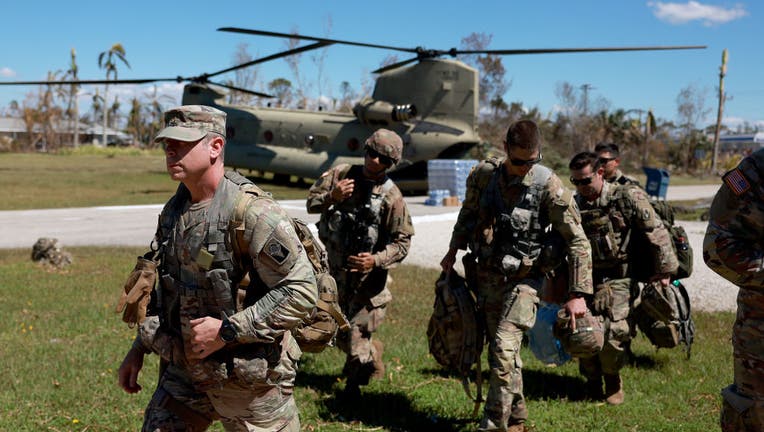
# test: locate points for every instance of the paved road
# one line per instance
(135, 225)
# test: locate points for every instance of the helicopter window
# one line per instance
(353, 144)
(268, 135)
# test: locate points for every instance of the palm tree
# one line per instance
(107, 62)
(73, 108)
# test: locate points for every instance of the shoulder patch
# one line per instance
(276, 251)
(737, 182)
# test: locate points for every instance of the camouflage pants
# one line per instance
(743, 402)
(615, 321)
(363, 300)
(241, 404)
(507, 315)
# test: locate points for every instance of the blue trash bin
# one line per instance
(657, 182)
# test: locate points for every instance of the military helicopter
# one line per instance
(432, 104)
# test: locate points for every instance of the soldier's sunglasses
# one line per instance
(604, 160)
(581, 182)
(525, 162)
(383, 159)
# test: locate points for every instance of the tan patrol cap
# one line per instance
(386, 142)
(191, 123)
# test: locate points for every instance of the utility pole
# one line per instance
(722, 72)
(585, 88)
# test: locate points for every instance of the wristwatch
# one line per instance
(227, 331)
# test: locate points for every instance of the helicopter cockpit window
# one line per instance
(268, 135)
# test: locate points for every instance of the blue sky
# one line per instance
(167, 39)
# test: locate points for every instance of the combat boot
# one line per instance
(376, 354)
(593, 388)
(614, 389)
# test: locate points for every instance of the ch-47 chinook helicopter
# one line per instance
(432, 104)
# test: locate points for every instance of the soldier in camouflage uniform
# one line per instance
(223, 356)
(610, 158)
(367, 230)
(509, 205)
(734, 248)
(612, 214)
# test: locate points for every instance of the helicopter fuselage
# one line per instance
(432, 105)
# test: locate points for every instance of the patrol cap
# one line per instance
(387, 143)
(191, 123)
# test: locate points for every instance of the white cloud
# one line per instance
(734, 122)
(709, 15)
(7, 72)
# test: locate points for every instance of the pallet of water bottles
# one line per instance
(447, 180)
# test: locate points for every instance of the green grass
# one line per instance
(95, 177)
(61, 345)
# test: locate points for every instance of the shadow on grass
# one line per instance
(538, 384)
(389, 410)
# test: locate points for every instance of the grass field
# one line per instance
(114, 176)
(94, 178)
(61, 344)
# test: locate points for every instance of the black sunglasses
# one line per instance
(605, 160)
(383, 159)
(581, 182)
(524, 162)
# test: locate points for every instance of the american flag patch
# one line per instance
(737, 182)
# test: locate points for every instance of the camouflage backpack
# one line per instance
(454, 333)
(317, 331)
(663, 315)
(640, 267)
(681, 240)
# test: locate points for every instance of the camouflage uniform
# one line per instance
(623, 179)
(506, 292)
(620, 212)
(248, 383)
(48, 252)
(734, 248)
(373, 219)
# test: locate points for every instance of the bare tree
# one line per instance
(282, 89)
(347, 95)
(319, 59)
(245, 78)
(691, 110)
(493, 82)
(294, 65)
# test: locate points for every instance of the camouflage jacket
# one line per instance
(734, 241)
(395, 228)
(623, 179)
(198, 260)
(475, 225)
(622, 212)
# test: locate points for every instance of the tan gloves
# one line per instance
(137, 292)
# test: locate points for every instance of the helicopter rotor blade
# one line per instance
(575, 50)
(395, 65)
(317, 39)
(89, 82)
(239, 89)
(272, 57)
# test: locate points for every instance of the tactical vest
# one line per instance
(204, 283)
(353, 225)
(518, 228)
(605, 227)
